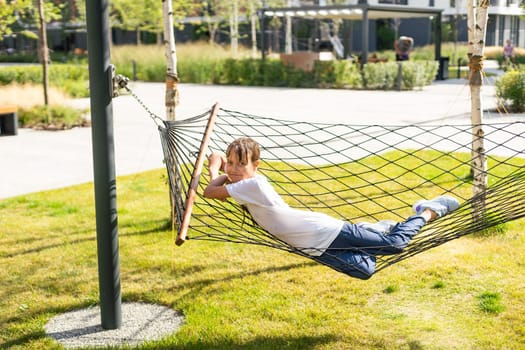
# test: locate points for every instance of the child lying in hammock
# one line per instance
(347, 247)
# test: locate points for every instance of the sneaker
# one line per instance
(384, 226)
(441, 205)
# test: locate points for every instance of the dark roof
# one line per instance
(354, 12)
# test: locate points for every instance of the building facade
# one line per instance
(504, 20)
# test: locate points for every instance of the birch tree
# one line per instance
(169, 14)
(252, 8)
(477, 16)
(288, 36)
(172, 77)
(234, 28)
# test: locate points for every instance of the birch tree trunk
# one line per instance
(171, 102)
(234, 28)
(477, 15)
(44, 51)
(172, 77)
(288, 36)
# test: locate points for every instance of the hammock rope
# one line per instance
(352, 172)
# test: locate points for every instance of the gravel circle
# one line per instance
(140, 322)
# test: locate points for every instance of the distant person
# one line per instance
(508, 53)
(402, 47)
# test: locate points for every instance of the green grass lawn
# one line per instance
(466, 294)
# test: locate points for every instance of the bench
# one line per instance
(8, 120)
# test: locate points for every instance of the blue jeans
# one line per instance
(354, 250)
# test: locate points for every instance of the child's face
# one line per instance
(238, 170)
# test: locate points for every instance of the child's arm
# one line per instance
(216, 163)
(216, 188)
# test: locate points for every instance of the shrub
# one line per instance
(19, 57)
(65, 76)
(201, 63)
(57, 117)
(206, 64)
(418, 74)
(200, 71)
(380, 76)
(347, 75)
(510, 88)
(230, 74)
(337, 74)
(273, 73)
(384, 75)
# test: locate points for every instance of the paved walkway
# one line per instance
(41, 160)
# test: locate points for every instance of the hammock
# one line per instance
(352, 172)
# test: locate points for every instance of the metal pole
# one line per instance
(262, 24)
(437, 33)
(100, 78)
(365, 28)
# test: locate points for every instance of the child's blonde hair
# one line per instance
(245, 148)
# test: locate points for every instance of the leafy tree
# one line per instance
(131, 15)
(146, 15)
(7, 17)
(9, 13)
(214, 12)
(44, 13)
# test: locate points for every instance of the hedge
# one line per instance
(73, 78)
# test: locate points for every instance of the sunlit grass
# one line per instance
(187, 52)
(246, 296)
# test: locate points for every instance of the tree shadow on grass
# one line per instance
(197, 286)
(259, 343)
(169, 343)
(161, 226)
(191, 288)
(24, 339)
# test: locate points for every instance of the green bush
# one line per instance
(341, 74)
(230, 74)
(418, 74)
(256, 72)
(337, 74)
(380, 76)
(203, 64)
(325, 74)
(384, 75)
(56, 117)
(510, 88)
(19, 57)
(72, 79)
(348, 75)
(274, 73)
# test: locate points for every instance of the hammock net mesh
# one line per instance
(352, 172)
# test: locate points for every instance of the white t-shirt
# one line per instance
(300, 228)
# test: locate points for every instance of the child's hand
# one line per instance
(215, 164)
